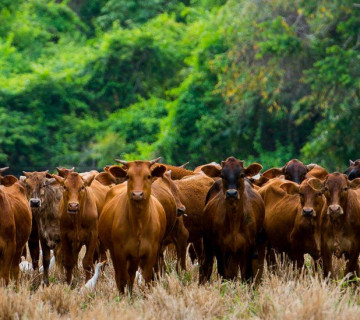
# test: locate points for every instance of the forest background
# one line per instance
(85, 81)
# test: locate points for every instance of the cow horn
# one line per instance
(154, 161)
(125, 163)
(4, 169)
(184, 165)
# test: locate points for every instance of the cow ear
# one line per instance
(118, 171)
(8, 180)
(310, 166)
(354, 184)
(211, 170)
(290, 187)
(316, 184)
(253, 169)
(351, 163)
(26, 174)
(49, 176)
(58, 179)
(273, 173)
(158, 171)
(88, 180)
(105, 178)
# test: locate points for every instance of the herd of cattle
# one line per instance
(136, 209)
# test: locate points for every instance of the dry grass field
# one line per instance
(283, 294)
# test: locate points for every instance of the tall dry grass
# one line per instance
(283, 294)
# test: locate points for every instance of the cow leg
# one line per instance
(206, 262)
(327, 261)
(34, 247)
(7, 258)
(220, 263)
(259, 268)
(147, 266)
(181, 244)
(199, 248)
(15, 269)
(352, 265)
(192, 253)
(89, 255)
(133, 267)
(120, 268)
(68, 258)
(46, 260)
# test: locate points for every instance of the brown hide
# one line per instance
(78, 222)
(340, 223)
(292, 217)
(232, 220)
(15, 207)
(133, 222)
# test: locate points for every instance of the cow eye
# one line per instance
(83, 188)
(149, 176)
(319, 194)
(346, 189)
(126, 177)
(326, 189)
(64, 188)
(301, 194)
(242, 175)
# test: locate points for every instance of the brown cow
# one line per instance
(340, 223)
(232, 221)
(292, 217)
(132, 224)
(164, 189)
(294, 170)
(15, 226)
(44, 195)
(353, 171)
(78, 222)
(178, 173)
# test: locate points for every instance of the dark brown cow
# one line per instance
(340, 223)
(78, 222)
(292, 218)
(15, 226)
(44, 194)
(294, 170)
(353, 171)
(232, 221)
(132, 224)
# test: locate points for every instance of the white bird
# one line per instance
(138, 278)
(91, 284)
(51, 265)
(25, 266)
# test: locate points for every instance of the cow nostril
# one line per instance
(231, 193)
(308, 212)
(137, 195)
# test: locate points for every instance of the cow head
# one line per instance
(353, 171)
(232, 173)
(311, 196)
(175, 192)
(63, 172)
(336, 187)
(139, 176)
(294, 171)
(35, 184)
(74, 192)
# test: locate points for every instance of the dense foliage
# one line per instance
(85, 81)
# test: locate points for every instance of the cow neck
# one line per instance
(235, 213)
(139, 214)
(77, 218)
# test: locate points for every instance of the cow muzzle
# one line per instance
(232, 194)
(335, 209)
(181, 210)
(35, 203)
(137, 195)
(73, 208)
(308, 212)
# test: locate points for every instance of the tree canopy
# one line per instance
(83, 82)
